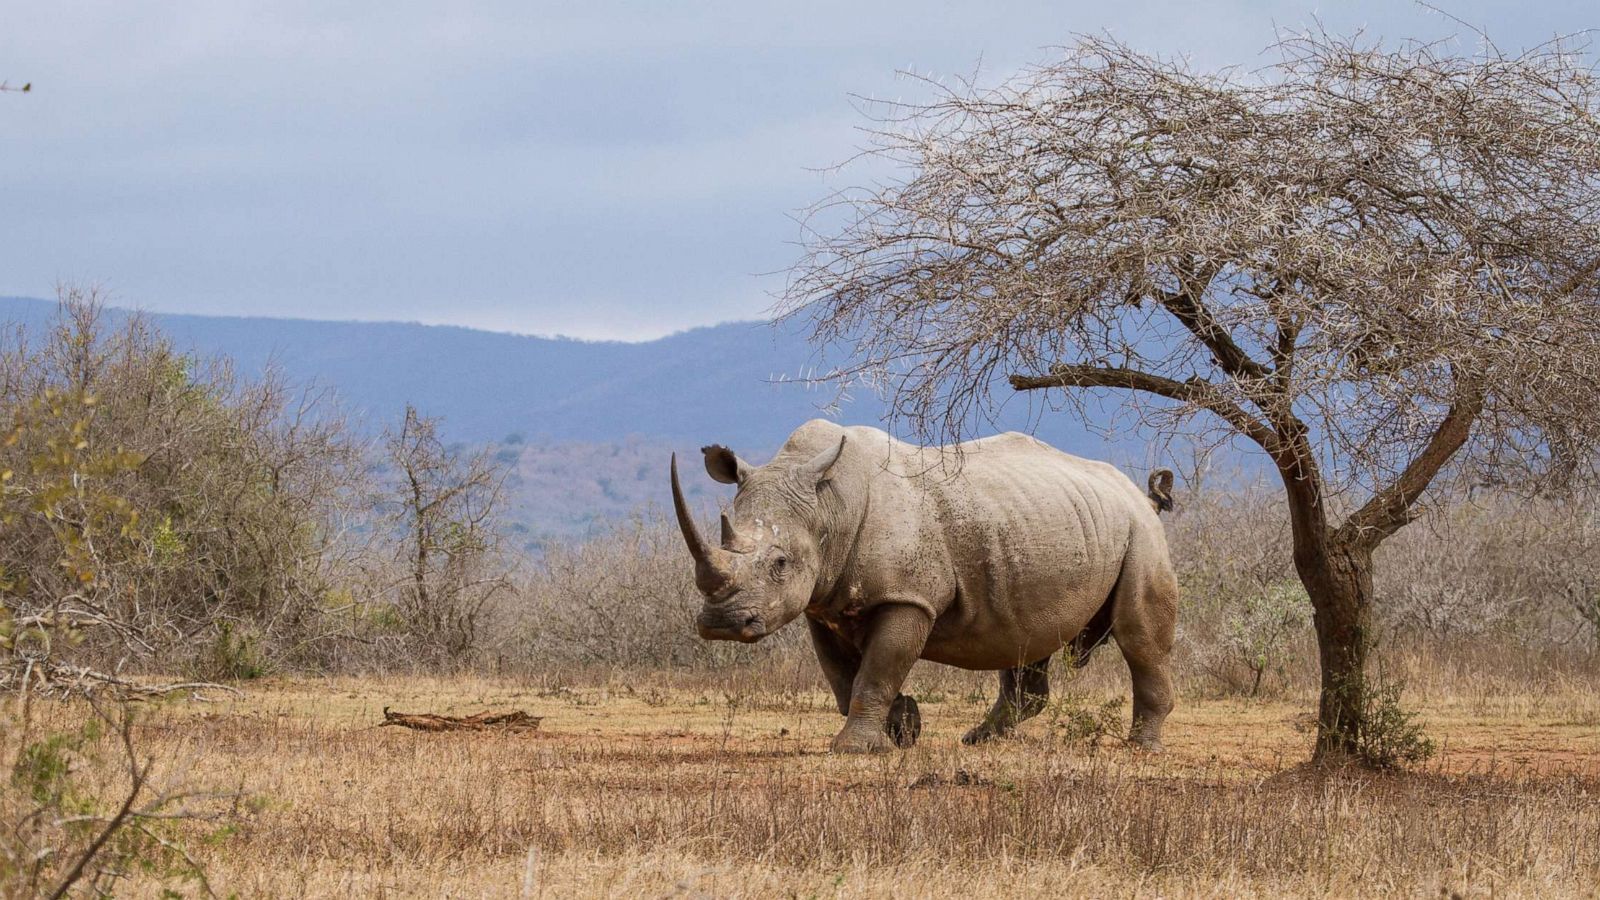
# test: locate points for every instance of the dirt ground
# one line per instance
(656, 787)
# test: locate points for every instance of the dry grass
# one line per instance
(654, 787)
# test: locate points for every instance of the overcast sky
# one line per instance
(597, 169)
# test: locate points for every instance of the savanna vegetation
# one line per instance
(169, 524)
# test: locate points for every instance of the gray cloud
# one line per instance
(605, 169)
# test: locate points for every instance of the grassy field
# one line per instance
(670, 786)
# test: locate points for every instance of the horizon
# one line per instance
(312, 320)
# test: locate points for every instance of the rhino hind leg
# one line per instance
(1152, 701)
(1144, 622)
(1024, 691)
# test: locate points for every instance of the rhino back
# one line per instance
(1032, 541)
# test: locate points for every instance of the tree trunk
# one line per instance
(1337, 576)
(1338, 581)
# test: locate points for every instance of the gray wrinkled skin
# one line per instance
(995, 559)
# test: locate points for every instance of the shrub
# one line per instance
(1491, 566)
(1585, 603)
(151, 498)
(235, 655)
(1244, 612)
(1259, 629)
(1390, 737)
(63, 830)
(625, 597)
(443, 505)
(1077, 721)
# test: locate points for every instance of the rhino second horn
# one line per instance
(732, 540)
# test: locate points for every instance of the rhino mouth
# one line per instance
(717, 625)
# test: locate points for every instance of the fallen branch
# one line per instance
(63, 680)
(516, 720)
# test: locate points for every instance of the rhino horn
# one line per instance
(732, 540)
(711, 569)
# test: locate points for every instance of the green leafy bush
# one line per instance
(1258, 631)
(1391, 737)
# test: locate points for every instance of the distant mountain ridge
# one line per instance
(489, 384)
(738, 383)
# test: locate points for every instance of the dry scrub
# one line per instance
(719, 786)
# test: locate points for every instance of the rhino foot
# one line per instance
(905, 722)
(848, 741)
(980, 734)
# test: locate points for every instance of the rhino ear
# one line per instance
(820, 465)
(724, 465)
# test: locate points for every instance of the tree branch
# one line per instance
(112, 826)
(1579, 277)
(1390, 508)
(1195, 391)
(1186, 306)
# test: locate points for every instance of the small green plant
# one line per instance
(1389, 736)
(1078, 723)
(60, 832)
(1257, 632)
(235, 655)
(381, 618)
(166, 545)
(1076, 720)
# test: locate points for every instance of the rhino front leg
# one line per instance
(1024, 691)
(894, 643)
(840, 662)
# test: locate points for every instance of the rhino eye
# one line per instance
(780, 568)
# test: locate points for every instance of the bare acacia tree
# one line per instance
(1377, 264)
(445, 506)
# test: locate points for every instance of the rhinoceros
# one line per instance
(990, 555)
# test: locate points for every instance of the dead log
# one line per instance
(516, 720)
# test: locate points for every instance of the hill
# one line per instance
(585, 425)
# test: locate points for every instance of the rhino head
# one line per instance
(761, 575)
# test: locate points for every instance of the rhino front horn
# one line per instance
(711, 571)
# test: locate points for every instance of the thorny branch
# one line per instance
(1378, 264)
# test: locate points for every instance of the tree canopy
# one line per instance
(1367, 240)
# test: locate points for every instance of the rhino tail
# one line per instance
(1161, 490)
